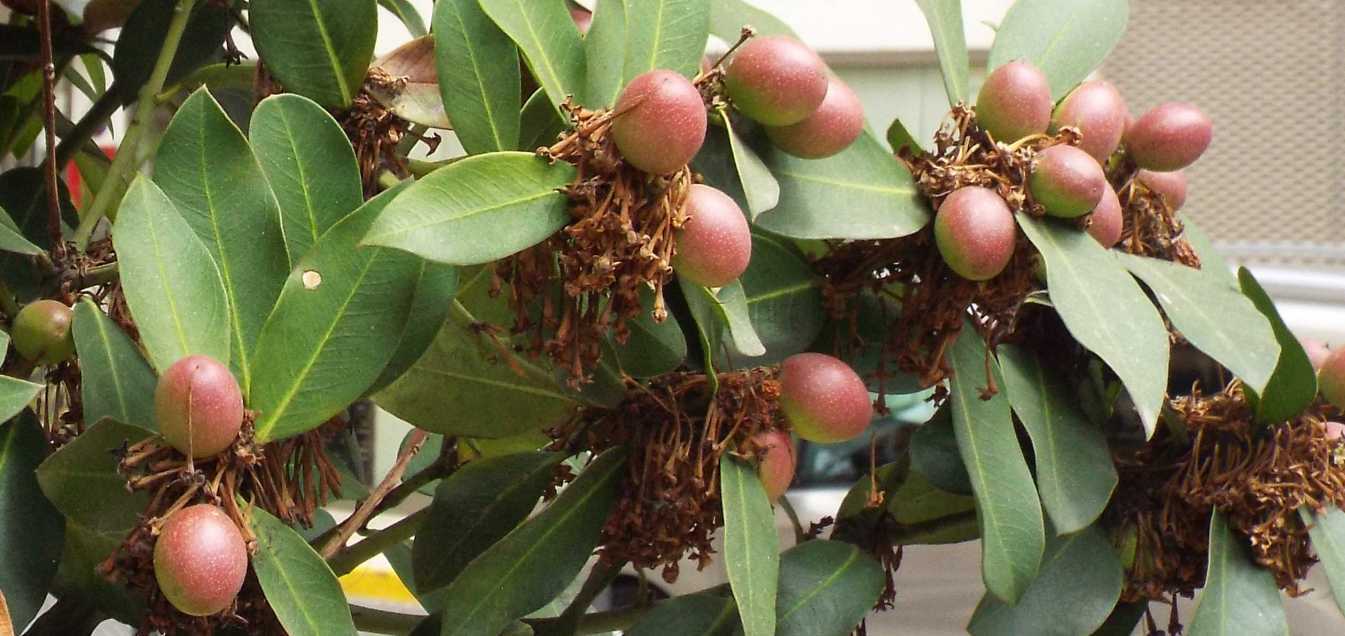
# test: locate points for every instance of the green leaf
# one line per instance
(931, 516)
(945, 25)
(323, 347)
(722, 315)
(12, 239)
(1106, 311)
(728, 17)
(1210, 259)
(541, 125)
(1012, 532)
(1293, 385)
(23, 195)
(142, 37)
(826, 588)
(77, 573)
(1075, 473)
(436, 285)
(1080, 571)
(875, 190)
(478, 76)
(751, 546)
(546, 34)
(30, 528)
(784, 298)
(1220, 321)
(320, 48)
(1326, 528)
(654, 348)
(605, 49)
(310, 165)
(407, 14)
(473, 509)
(172, 283)
(534, 562)
(207, 170)
(116, 381)
(477, 210)
(1239, 597)
(15, 394)
(898, 137)
(665, 34)
(759, 186)
(82, 480)
(1123, 620)
(1066, 39)
(934, 454)
(689, 615)
(299, 586)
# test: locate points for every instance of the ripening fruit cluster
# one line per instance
(974, 228)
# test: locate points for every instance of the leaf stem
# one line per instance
(350, 557)
(366, 509)
(49, 123)
(125, 162)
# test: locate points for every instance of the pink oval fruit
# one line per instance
(1014, 102)
(199, 406)
(1097, 109)
(200, 560)
(831, 128)
(1317, 351)
(975, 232)
(1331, 378)
(776, 80)
(714, 246)
(1334, 431)
(1169, 137)
(661, 122)
(1107, 221)
(777, 462)
(1171, 186)
(1067, 181)
(823, 398)
(41, 332)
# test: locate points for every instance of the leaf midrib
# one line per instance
(480, 80)
(826, 583)
(124, 408)
(231, 294)
(285, 579)
(379, 239)
(330, 50)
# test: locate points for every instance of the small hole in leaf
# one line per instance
(312, 279)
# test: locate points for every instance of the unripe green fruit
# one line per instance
(1169, 137)
(714, 246)
(1107, 220)
(975, 232)
(41, 332)
(1171, 186)
(823, 398)
(777, 462)
(1097, 109)
(831, 128)
(199, 406)
(1317, 351)
(1331, 378)
(776, 80)
(1014, 102)
(661, 122)
(200, 560)
(1067, 181)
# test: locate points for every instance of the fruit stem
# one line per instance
(350, 557)
(123, 165)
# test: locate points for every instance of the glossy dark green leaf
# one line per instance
(1012, 529)
(143, 34)
(1239, 597)
(206, 168)
(116, 380)
(873, 188)
(1211, 260)
(1105, 310)
(1293, 385)
(407, 14)
(899, 137)
(1220, 321)
(760, 188)
(534, 562)
(728, 17)
(310, 165)
(478, 76)
(654, 348)
(605, 50)
(82, 480)
(12, 239)
(665, 34)
(541, 125)
(784, 298)
(436, 285)
(722, 315)
(1075, 474)
(945, 25)
(320, 49)
(549, 40)
(1125, 617)
(1066, 39)
(934, 454)
(826, 588)
(336, 325)
(477, 210)
(689, 615)
(474, 508)
(23, 196)
(1326, 528)
(30, 528)
(15, 394)
(929, 515)
(299, 586)
(1080, 571)
(751, 545)
(84, 550)
(172, 283)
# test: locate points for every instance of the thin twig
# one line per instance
(362, 514)
(49, 122)
(350, 557)
(799, 534)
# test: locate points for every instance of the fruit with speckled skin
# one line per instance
(975, 232)
(1331, 378)
(1014, 102)
(1107, 219)
(831, 128)
(715, 245)
(1067, 181)
(776, 468)
(41, 332)
(776, 80)
(660, 123)
(1317, 351)
(1169, 185)
(200, 560)
(199, 406)
(1169, 137)
(823, 398)
(1097, 109)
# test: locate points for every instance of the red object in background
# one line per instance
(74, 181)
